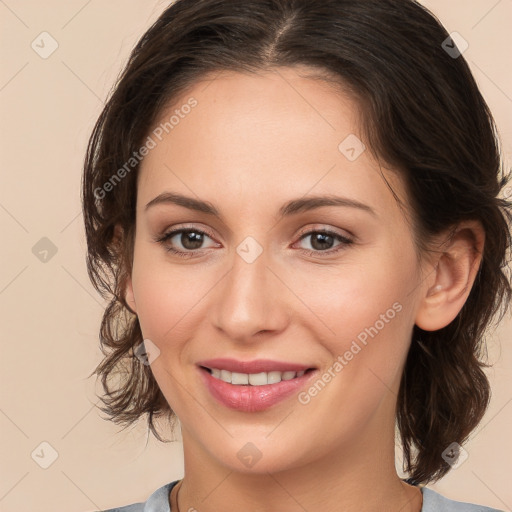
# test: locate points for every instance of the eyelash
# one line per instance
(190, 253)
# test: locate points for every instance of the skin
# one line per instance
(254, 142)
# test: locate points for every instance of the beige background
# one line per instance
(50, 311)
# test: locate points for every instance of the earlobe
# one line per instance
(457, 266)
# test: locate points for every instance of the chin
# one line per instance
(259, 456)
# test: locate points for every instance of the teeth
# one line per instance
(239, 378)
(254, 379)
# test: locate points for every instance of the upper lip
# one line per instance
(255, 366)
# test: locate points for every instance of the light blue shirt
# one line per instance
(432, 502)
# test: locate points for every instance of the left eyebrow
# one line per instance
(311, 202)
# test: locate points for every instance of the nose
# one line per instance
(250, 299)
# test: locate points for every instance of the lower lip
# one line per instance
(253, 398)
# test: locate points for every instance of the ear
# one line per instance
(456, 267)
(128, 295)
(128, 291)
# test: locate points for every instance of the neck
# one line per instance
(357, 477)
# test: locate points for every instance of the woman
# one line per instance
(294, 208)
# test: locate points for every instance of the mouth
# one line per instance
(255, 379)
(262, 385)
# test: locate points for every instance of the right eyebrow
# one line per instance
(185, 201)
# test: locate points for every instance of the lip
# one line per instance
(255, 366)
(246, 398)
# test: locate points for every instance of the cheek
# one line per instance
(163, 302)
(170, 298)
(363, 313)
(169, 309)
(354, 296)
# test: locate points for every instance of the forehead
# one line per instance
(269, 136)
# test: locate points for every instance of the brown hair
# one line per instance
(423, 114)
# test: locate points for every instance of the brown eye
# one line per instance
(183, 242)
(323, 241)
(191, 240)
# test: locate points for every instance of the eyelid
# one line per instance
(168, 233)
(304, 231)
(327, 228)
(187, 227)
(344, 240)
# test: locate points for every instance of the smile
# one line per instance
(255, 379)
(253, 392)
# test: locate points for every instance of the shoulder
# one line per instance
(157, 502)
(432, 502)
(435, 502)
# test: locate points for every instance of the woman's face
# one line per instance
(263, 283)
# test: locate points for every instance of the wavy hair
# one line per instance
(423, 115)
